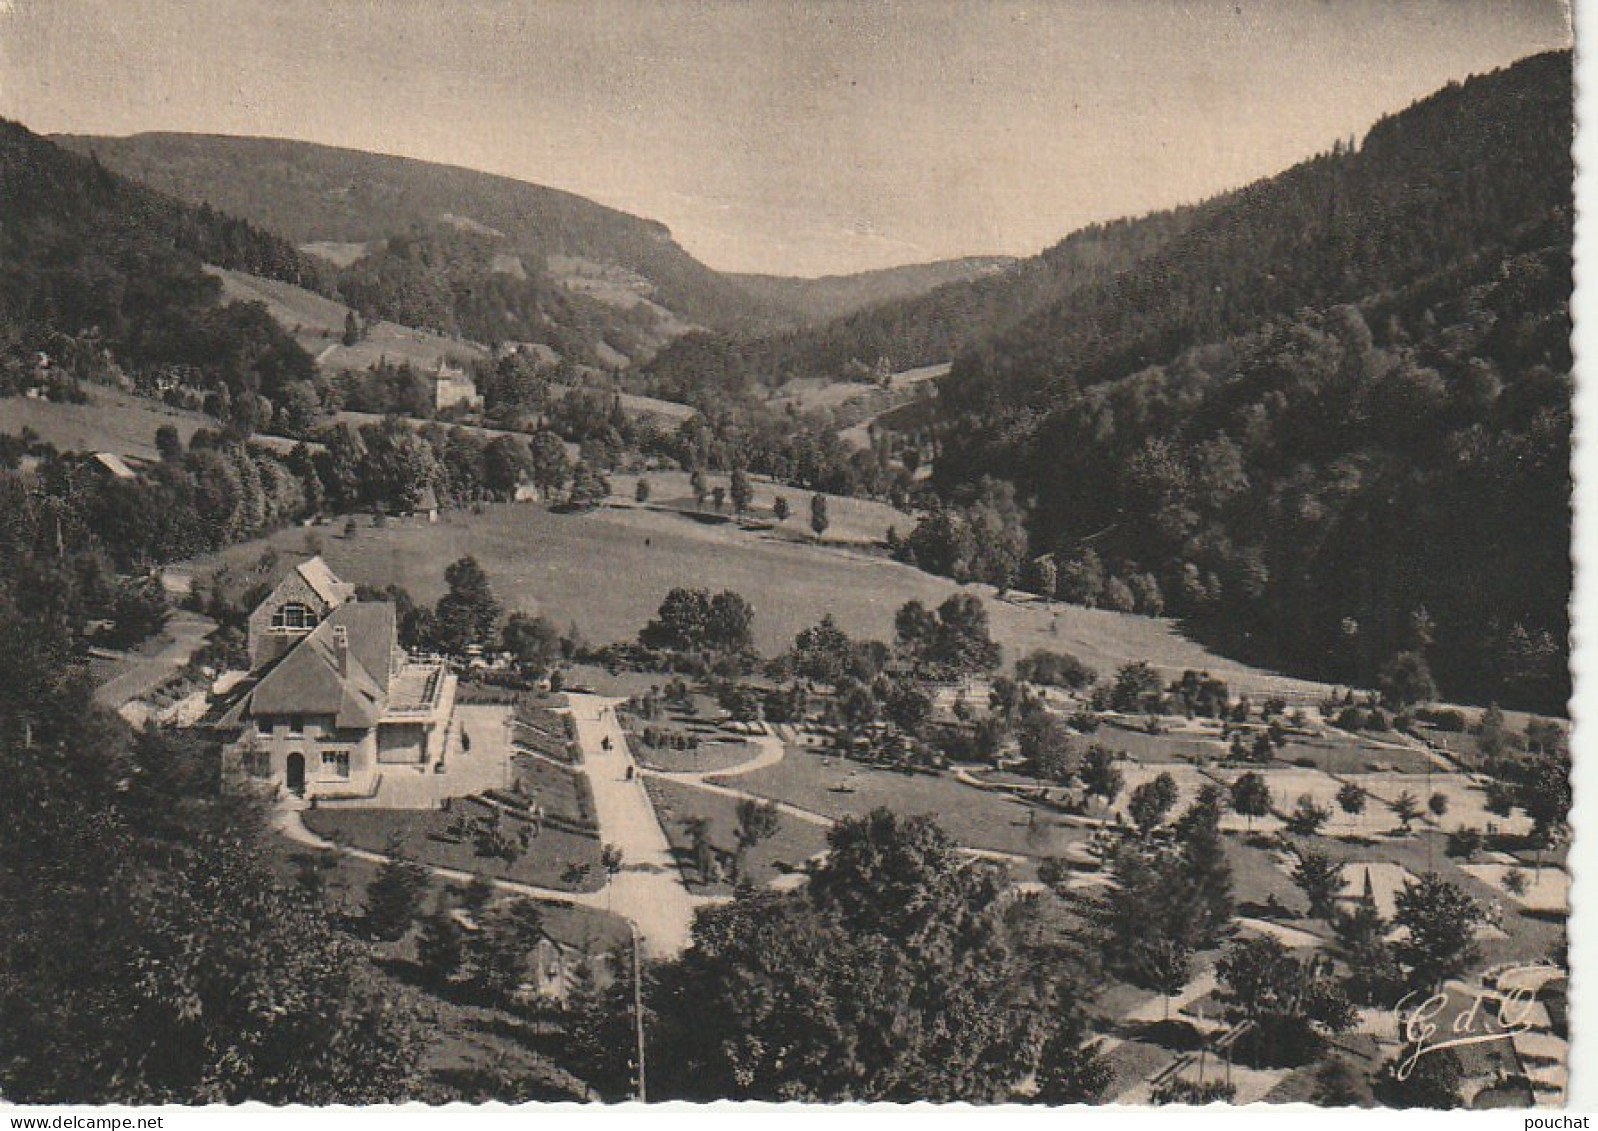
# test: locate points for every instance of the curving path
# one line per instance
(773, 751)
(185, 633)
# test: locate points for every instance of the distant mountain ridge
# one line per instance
(916, 329)
(817, 300)
(326, 198)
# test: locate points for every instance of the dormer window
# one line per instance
(293, 617)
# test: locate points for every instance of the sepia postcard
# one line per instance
(821, 551)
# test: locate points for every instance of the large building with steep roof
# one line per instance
(297, 604)
(333, 702)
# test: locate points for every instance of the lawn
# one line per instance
(1339, 752)
(1257, 878)
(543, 730)
(1467, 802)
(347, 878)
(1159, 748)
(975, 818)
(1189, 780)
(111, 421)
(609, 569)
(795, 842)
(562, 793)
(417, 833)
(708, 757)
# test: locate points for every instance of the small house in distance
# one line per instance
(113, 466)
(332, 702)
(427, 504)
(454, 386)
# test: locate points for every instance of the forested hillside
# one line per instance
(563, 271)
(103, 275)
(915, 330)
(1329, 423)
(462, 283)
(321, 193)
(820, 300)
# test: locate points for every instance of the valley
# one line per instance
(512, 659)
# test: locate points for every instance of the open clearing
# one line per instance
(317, 323)
(609, 569)
(975, 818)
(111, 421)
(850, 521)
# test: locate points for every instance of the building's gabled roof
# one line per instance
(307, 680)
(324, 582)
(115, 464)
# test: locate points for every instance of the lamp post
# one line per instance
(638, 1013)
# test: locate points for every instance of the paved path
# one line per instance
(186, 631)
(649, 889)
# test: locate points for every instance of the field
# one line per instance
(811, 393)
(317, 323)
(975, 818)
(111, 421)
(609, 569)
(795, 842)
(850, 521)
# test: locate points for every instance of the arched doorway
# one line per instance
(296, 772)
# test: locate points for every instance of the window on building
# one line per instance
(258, 763)
(336, 763)
(296, 724)
(293, 617)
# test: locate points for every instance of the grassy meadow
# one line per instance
(608, 570)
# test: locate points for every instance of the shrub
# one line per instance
(1464, 842)
(1447, 719)
(1352, 718)
(1055, 669)
(393, 899)
(1179, 1091)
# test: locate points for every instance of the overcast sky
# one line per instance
(794, 138)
